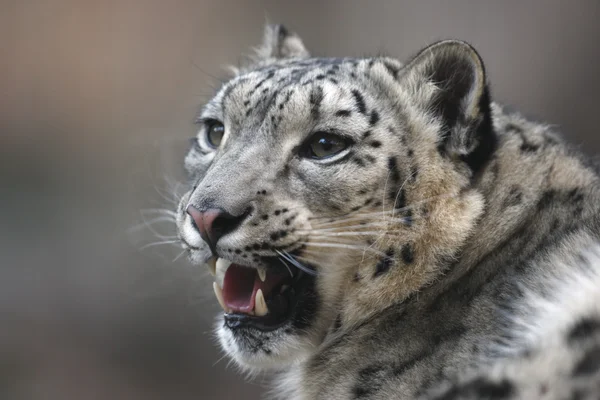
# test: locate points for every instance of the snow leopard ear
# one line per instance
(448, 80)
(279, 43)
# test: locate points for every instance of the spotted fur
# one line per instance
(455, 244)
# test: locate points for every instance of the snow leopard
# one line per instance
(385, 230)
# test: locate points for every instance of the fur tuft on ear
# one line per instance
(448, 80)
(279, 43)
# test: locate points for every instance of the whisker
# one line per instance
(384, 212)
(286, 265)
(166, 196)
(379, 220)
(374, 224)
(147, 224)
(158, 243)
(178, 256)
(344, 246)
(317, 262)
(297, 264)
(345, 234)
(159, 211)
(400, 190)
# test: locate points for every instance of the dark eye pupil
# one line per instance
(324, 145)
(215, 134)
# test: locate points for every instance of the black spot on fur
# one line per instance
(374, 118)
(513, 128)
(316, 98)
(575, 195)
(514, 197)
(375, 144)
(337, 323)
(392, 69)
(408, 253)
(527, 147)
(343, 113)
(358, 161)
(369, 380)
(265, 217)
(398, 198)
(370, 158)
(546, 199)
(584, 329)
(385, 263)
(414, 173)
(480, 388)
(393, 168)
(360, 101)
(590, 364)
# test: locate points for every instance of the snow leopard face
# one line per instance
(317, 182)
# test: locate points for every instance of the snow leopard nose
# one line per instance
(214, 223)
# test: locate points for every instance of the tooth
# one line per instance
(222, 264)
(260, 306)
(212, 265)
(219, 294)
(284, 288)
(262, 273)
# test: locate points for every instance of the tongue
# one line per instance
(241, 284)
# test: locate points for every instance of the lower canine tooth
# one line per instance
(260, 305)
(219, 294)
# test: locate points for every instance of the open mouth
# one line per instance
(262, 297)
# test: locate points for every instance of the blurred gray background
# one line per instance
(97, 100)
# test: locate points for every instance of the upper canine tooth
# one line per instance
(260, 305)
(212, 265)
(262, 273)
(219, 295)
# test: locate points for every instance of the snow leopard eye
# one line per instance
(214, 133)
(324, 145)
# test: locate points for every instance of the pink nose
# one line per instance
(205, 223)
